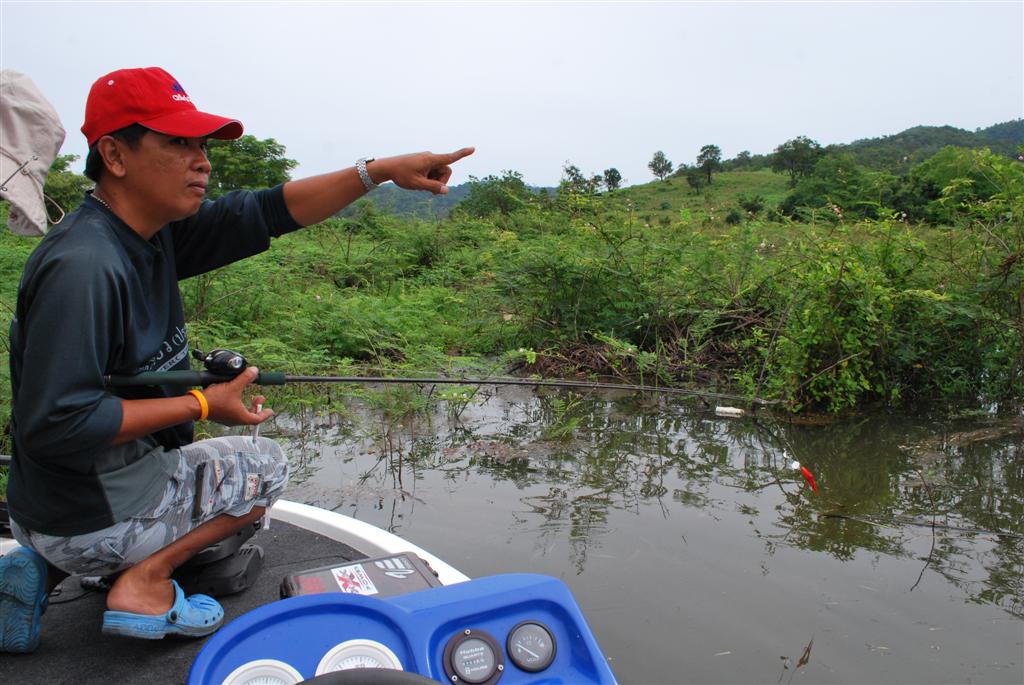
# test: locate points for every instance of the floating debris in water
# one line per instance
(729, 411)
(805, 658)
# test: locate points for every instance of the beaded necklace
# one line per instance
(100, 200)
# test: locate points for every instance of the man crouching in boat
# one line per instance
(106, 481)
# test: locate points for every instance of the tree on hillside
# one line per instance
(796, 157)
(709, 159)
(695, 178)
(660, 166)
(64, 187)
(742, 160)
(496, 195)
(573, 178)
(574, 181)
(746, 161)
(612, 178)
(246, 163)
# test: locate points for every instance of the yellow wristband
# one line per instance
(204, 406)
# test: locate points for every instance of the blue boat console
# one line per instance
(507, 629)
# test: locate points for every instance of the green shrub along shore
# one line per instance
(835, 306)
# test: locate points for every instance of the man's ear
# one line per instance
(109, 149)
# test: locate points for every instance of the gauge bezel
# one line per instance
(358, 647)
(512, 655)
(264, 668)
(470, 634)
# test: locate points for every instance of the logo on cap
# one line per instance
(179, 93)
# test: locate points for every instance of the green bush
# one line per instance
(752, 205)
(839, 185)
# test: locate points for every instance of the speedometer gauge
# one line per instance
(264, 672)
(358, 653)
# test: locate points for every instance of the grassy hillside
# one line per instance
(674, 200)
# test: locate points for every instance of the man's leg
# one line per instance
(146, 587)
(233, 482)
(220, 486)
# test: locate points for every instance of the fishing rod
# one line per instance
(224, 365)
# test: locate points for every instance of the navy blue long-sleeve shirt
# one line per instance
(97, 299)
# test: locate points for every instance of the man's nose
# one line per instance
(202, 161)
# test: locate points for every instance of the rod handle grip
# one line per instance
(188, 379)
(177, 378)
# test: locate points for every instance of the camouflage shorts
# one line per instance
(233, 475)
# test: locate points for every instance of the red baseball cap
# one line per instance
(153, 98)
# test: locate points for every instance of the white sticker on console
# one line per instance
(354, 580)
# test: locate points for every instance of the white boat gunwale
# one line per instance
(365, 537)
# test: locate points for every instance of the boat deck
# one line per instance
(73, 650)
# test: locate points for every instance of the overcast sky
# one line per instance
(533, 85)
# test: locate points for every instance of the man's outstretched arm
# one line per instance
(313, 199)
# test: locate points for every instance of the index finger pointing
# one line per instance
(457, 155)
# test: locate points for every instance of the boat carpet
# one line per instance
(73, 650)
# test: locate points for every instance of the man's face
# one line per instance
(169, 174)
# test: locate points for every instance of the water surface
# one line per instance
(697, 554)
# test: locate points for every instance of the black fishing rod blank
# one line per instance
(224, 365)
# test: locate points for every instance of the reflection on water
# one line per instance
(697, 553)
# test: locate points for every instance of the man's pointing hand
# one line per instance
(418, 171)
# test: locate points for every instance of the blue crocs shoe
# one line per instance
(195, 616)
(23, 599)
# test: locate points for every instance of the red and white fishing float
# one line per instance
(808, 476)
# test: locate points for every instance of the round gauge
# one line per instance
(264, 672)
(531, 646)
(473, 657)
(358, 653)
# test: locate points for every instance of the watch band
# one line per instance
(364, 175)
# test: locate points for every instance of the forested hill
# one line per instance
(390, 199)
(903, 150)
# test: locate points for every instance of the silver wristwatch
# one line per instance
(364, 175)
